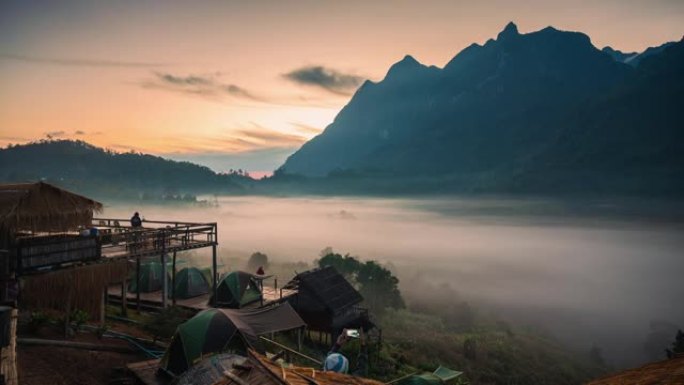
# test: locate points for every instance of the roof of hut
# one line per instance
(329, 286)
(42, 207)
(259, 370)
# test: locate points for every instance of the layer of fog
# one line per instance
(587, 279)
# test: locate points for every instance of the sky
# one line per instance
(243, 84)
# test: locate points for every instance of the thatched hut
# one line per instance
(38, 231)
(43, 208)
(35, 218)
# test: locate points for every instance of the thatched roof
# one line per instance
(42, 207)
(657, 373)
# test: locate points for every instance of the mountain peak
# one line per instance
(407, 64)
(509, 31)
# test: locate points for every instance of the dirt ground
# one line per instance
(47, 365)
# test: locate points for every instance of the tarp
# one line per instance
(215, 331)
(439, 377)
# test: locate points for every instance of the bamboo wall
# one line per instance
(76, 288)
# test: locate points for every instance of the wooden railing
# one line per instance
(153, 236)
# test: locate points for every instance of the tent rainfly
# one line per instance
(190, 282)
(150, 278)
(236, 290)
(215, 331)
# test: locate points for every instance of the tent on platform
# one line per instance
(190, 282)
(151, 274)
(215, 331)
(440, 376)
(236, 290)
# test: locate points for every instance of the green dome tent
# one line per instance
(215, 331)
(150, 278)
(190, 282)
(236, 290)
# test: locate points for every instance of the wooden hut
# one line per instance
(39, 232)
(38, 227)
(326, 301)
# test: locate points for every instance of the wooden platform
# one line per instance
(146, 372)
(270, 294)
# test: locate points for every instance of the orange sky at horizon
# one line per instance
(229, 78)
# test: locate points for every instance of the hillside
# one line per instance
(498, 118)
(91, 170)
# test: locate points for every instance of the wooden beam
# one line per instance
(124, 298)
(137, 281)
(214, 274)
(165, 282)
(103, 307)
(173, 281)
(165, 276)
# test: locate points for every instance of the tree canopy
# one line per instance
(378, 286)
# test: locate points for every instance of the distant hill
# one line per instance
(532, 112)
(91, 170)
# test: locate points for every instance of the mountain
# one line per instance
(630, 139)
(634, 58)
(487, 119)
(91, 170)
(622, 57)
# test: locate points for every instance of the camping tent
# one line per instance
(150, 278)
(440, 376)
(190, 282)
(224, 330)
(236, 290)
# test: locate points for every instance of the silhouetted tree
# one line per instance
(677, 345)
(256, 260)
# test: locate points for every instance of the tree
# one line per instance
(257, 260)
(677, 345)
(377, 285)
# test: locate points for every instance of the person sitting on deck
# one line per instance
(337, 362)
(135, 220)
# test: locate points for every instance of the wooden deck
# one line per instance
(154, 299)
(146, 372)
(153, 239)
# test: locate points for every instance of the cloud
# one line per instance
(253, 137)
(76, 62)
(306, 129)
(55, 134)
(79, 132)
(202, 85)
(326, 78)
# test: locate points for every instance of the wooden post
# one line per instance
(137, 282)
(124, 298)
(299, 338)
(8, 368)
(214, 274)
(67, 314)
(173, 281)
(165, 277)
(103, 307)
(165, 281)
